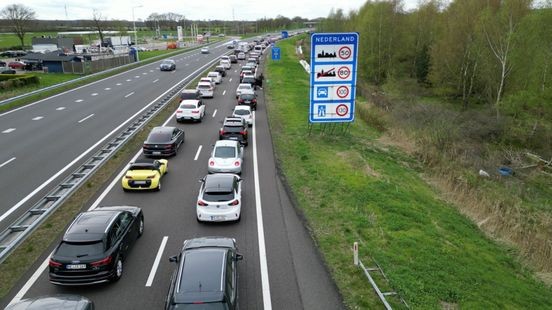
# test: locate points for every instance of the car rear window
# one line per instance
(233, 129)
(157, 137)
(141, 167)
(80, 249)
(188, 95)
(225, 152)
(241, 112)
(204, 86)
(247, 96)
(187, 106)
(218, 196)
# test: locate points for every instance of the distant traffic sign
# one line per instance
(275, 53)
(333, 77)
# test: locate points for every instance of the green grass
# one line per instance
(46, 79)
(351, 188)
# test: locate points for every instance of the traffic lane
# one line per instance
(100, 116)
(299, 278)
(171, 213)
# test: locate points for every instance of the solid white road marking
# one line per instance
(79, 100)
(89, 116)
(156, 261)
(94, 94)
(7, 162)
(215, 113)
(38, 118)
(155, 81)
(128, 95)
(260, 228)
(224, 92)
(31, 281)
(8, 130)
(198, 151)
(60, 109)
(107, 88)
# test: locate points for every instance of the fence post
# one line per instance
(355, 253)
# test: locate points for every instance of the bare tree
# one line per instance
(20, 17)
(99, 21)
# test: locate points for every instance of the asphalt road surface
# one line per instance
(44, 142)
(293, 277)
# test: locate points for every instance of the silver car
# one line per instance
(227, 156)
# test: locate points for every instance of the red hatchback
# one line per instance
(16, 64)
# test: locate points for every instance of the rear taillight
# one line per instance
(243, 132)
(54, 264)
(103, 262)
(195, 112)
(254, 100)
(234, 203)
(178, 111)
(201, 203)
(237, 163)
(211, 163)
(221, 132)
(241, 101)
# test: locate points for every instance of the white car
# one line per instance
(206, 89)
(241, 56)
(190, 109)
(226, 64)
(225, 57)
(227, 157)
(243, 87)
(219, 198)
(244, 111)
(215, 76)
(207, 79)
(205, 50)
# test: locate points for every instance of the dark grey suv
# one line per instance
(206, 276)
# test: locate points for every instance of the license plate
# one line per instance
(139, 182)
(218, 218)
(156, 153)
(76, 266)
(233, 138)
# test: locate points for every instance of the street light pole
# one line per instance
(134, 24)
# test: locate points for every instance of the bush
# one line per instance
(10, 81)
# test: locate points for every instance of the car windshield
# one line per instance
(218, 196)
(241, 112)
(158, 137)
(225, 152)
(80, 249)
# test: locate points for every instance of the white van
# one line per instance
(258, 48)
(226, 64)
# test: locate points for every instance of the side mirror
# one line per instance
(173, 259)
(239, 256)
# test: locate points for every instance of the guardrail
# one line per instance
(382, 295)
(6, 101)
(17, 232)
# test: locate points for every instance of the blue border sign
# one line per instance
(276, 53)
(333, 77)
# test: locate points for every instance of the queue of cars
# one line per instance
(94, 247)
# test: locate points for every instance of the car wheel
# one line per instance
(239, 219)
(118, 269)
(141, 227)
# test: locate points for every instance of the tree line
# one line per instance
(493, 51)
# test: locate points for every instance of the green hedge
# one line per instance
(11, 81)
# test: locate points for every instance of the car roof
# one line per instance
(190, 91)
(190, 101)
(226, 143)
(204, 84)
(90, 226)
(245, 85)
(213, 72)
(219, 182)
(57, 301)
(242, 107)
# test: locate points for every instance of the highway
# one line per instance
(281, 268)
(45, 141)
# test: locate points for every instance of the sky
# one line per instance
(191, 9)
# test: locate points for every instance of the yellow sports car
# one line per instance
(144, 175)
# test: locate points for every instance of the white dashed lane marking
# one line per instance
(8, 130)
(128, 80)
(38, 118)
(94, 94)
(89, 116)
(60, 109)
(214, 112)
(7, 162)
(198, 151)
(230, 80)
(155, 81)
(224, 92)
(136, 76)
(107, 88)
(119, 84)
(128, 95)
(79, 100)
(144, 73)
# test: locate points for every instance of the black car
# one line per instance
(221, 70)
(95, 246)
(8, 71)
(234, 128)
(190, 94)
(233, 59)
(206, 276)
(163, 141)
(249, 99)
(58, 302)
(167, 65)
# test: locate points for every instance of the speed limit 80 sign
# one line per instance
(333, 77)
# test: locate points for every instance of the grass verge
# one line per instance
(352, 188)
